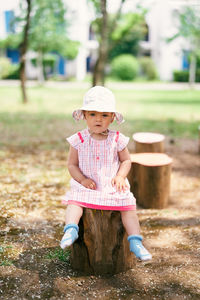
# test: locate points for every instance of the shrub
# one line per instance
(125, 67)
(198, 75)
(14, 72)
(148, 68)
(5, 67)
(183, 76)
(49, 62)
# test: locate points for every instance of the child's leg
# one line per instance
(73, 215)
(130, 222)
(132, 227)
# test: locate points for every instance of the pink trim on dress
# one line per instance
(117, 137)
(102, 207)
(80, 137)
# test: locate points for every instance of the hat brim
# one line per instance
(78, 115)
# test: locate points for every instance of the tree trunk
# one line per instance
(102, 247)
(149, 179)
(99, 69)
(192, 70)
(23, 50)
(105, 44)
(40, 67)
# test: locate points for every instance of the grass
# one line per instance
(58, 254)
(46, 119)
(5, 256)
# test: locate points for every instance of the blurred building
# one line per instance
(161, 22)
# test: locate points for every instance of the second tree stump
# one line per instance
(148, 142)
(102, 247)
(149, 179)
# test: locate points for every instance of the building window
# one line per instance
(185, 60)
(9, 21)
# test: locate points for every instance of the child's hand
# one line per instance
(89, 183)
(120, 183)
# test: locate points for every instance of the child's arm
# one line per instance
(119, 179)
(75, 172)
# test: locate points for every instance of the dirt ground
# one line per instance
(33, 267)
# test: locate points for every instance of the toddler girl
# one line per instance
(99, 162)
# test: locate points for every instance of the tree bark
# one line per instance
(23, 50)
(104, 47)
(40, 67)
(192, 69)
(99, 69)
(102, 247)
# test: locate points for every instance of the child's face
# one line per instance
(98, 122)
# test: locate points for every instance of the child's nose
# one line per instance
(99, 117)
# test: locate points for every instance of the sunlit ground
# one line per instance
(33, 179)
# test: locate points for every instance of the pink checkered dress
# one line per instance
(98, 160)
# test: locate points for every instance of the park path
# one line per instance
(137, 86)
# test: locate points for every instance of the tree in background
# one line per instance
(115, 33)
(129, 32)
(189, 29)
(48, 32)
(23, 49)
(42, 27)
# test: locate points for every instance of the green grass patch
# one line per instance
(46, 120)
(62, 255)
(5, 259)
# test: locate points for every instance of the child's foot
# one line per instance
(137, 247)
(70, 235)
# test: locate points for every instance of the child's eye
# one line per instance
(92, 114)
(105, 115)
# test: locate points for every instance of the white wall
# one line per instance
(80, 17)
(6, 5)
(167, 56)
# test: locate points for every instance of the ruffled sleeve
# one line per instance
(122, 142)
(74, 140)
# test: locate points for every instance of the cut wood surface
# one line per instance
(149, 179)
(148, 142)
(102, 246)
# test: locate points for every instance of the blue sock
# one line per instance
(70, 235)
(137, 247)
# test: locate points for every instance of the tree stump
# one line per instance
(148, 142)
(149, 179)
(102, 246)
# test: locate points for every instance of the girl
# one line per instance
(99, 162)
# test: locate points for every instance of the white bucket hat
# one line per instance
(100, 99)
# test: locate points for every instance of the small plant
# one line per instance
(5, 67)
(147, 68)
(125, 67)
(4, 256)
(58, 254)
(183, 75)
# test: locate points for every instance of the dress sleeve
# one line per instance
(74, 140)
(122, 142)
